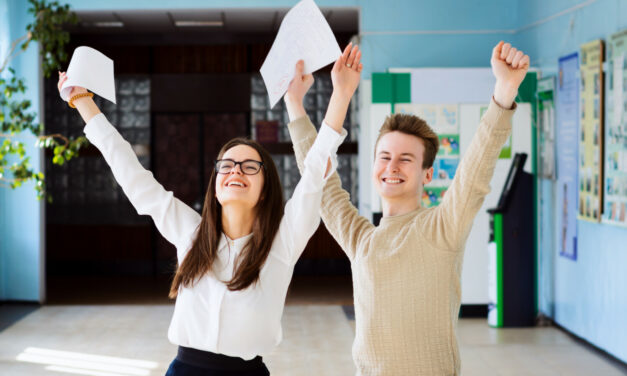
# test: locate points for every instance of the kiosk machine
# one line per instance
(511, 270)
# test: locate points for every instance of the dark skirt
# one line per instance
(193, 362)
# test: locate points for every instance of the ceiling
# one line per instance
(261, 20)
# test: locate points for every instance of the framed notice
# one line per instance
(546, 127)
(566, 146)
(591, 131)
(615, 188)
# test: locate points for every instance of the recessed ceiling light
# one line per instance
(198, 23)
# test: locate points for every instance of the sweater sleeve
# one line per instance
(450, 223)
(341, 218)
(175, 221)
(302, 210)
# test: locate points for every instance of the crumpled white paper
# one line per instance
(304, 34)
(91, 69)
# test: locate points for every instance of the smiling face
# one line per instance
(398, 174)
(236, 188)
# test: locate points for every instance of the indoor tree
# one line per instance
(16, 115)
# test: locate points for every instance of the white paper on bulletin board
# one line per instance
(450, 85)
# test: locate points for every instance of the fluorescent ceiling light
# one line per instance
(107, 24)
(198, 23)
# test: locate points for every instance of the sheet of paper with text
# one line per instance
(92, 70)
(304, 34)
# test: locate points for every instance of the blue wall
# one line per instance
(587, 296)
(21, 233)
(592, 20)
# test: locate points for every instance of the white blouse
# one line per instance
(208, 316)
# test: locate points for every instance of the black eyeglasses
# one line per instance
(248, 167)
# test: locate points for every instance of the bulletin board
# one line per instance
(615, 187)
(591, 131)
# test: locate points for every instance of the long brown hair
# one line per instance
(204, 250)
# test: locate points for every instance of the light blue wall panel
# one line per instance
(587, 296)
(21, 233)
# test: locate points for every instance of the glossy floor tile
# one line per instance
(118, 327)
(116, 340)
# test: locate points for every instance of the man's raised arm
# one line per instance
(339, 215)
(462, 201)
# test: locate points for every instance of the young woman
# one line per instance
(235, 260)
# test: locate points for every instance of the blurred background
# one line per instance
(85, 279)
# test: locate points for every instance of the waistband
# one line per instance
(209, 360)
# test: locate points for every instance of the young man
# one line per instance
(407, 271)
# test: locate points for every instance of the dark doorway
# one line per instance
(182, 93)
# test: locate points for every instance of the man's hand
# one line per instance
(299, 86)
(347, 71)
(509, 67)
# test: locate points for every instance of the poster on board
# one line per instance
(566, 145)
(591, 131)
(546, 127)
(615, 186)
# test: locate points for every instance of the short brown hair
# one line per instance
(413, 126)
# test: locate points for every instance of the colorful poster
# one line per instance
(566, 144)
(443, 171)
(449, 145)
(432, 196)
(546, 127)
(615, 187)
(591, 132)
(444, 120)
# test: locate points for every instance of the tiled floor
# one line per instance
(527, 351)
(130, 339)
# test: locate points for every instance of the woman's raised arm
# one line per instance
(175, 220)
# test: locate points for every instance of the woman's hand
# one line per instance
(75, 89)
(347, 71)
(85, 105)
(345, 76)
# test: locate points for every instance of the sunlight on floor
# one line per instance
(86, 364)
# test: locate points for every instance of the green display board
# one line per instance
(391, 88)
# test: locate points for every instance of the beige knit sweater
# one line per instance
(406, 271)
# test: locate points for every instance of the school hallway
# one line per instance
(524, 224)
(122, 331)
